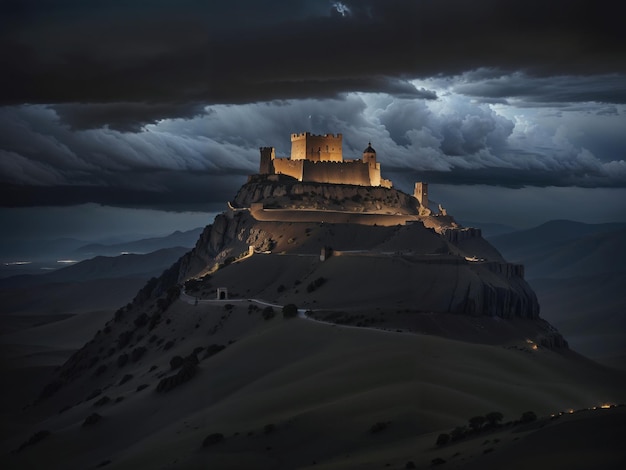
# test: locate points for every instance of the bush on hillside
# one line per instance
(443, 439)
(290, 311)
(34, 439)
(316, 284)
(213, 439)
(92, 419)
(213, 349)
(268, 313)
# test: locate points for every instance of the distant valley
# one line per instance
(578, 271)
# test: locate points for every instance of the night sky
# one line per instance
(513, 110)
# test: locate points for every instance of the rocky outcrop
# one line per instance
(508, 270)
(458, 235)
(515, 299)
(287, 193)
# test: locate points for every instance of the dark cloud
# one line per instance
(128, 117)
(164, 55)
(135, 103)
(544, 91)
(205, 159)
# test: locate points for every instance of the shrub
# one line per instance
(124, 338)
(315, 284)
(213, 439)
(269, 428)
(185, 373)
(154, 321)
(122, 360)
(410, 464)
(458, 433)
(443, 439)
(137, 353)
(213, 349)
(34, 439)
(438, 461)
(476, 422)
(290, 311)
(142, 387)
(528, 417)
(93, 394)
(126, 378)
(102, 401)
(176, 362)
(101, 369)
(378, 427)
(268, 313)
(92, 419)
(493, 418)
(168, 345)
(141, 320)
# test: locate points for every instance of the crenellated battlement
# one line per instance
(304, 135)
(319, 157)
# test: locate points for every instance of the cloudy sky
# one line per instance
(513, 111)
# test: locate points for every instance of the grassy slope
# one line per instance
(322, 386)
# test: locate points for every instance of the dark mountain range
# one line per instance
(563, 249)
(103, 267)
(185, 239)
(489, 229)
(578, 272)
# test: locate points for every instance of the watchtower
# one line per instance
(268, 154)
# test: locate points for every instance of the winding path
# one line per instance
(301, 312)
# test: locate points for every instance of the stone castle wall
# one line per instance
(286, 166)
(355, 172)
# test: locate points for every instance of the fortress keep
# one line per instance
(319, 158)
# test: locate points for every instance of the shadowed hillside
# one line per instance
(338, 345)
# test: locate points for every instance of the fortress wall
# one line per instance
(289, 167)
(334, 172)
(374, 174)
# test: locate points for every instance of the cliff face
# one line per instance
(463, 284)
(288, 193)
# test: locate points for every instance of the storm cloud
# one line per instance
(140, 103)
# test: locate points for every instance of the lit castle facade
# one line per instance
(319, 158)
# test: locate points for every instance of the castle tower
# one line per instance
(316, 148)
(421, 194)
(369, 158)
(268, 154)
(369, 155)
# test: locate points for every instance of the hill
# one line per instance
(275, 389)
(407, 325)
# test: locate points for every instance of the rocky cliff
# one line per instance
(278, 191)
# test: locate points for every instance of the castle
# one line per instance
(319, 159)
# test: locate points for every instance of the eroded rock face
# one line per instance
(288, 193)
(514, 299)
(496, 288)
